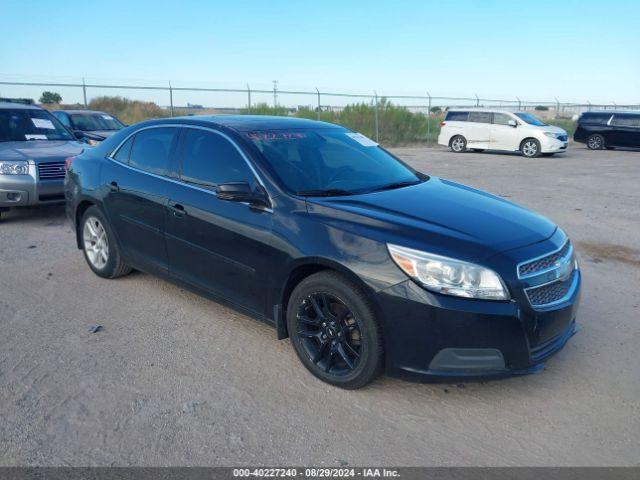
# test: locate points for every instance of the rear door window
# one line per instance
(209, 159)
(595, 118)
(457, 116)
(152, 149)
(480, 117)
(122, 155)
(626, 120)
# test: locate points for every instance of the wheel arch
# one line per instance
(529, 137)
(81, 208)
(304, 268)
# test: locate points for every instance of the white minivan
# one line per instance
(486, 129)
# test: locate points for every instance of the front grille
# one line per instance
(544, 263)
(51, 171)
(551, 292)
(563, 138)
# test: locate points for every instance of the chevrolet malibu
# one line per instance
(368, 265)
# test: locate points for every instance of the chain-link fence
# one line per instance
(389, 118)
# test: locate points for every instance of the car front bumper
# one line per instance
(429, 335)
(25, 190)
(553, 145)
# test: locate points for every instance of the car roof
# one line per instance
(97, 112)
(18, 106)
(487, 110)
(246, 123)
(612, 112)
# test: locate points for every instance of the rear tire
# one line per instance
(595, 142)
(334, 330)
(530, 148)
(99, 245)
(458, 144)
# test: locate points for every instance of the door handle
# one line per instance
(113, 186)
(177, 209)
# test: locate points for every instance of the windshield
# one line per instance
(94, 121)
(330, 162)
(25, 124)
(530, 119)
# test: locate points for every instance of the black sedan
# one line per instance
(365, 263)
(90, 126)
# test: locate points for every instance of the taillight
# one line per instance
(67, 163)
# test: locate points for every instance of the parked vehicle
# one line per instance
(90, 126)
(485, 129)
(33, 149)
(367, 264)
(608, 129)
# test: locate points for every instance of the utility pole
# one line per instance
(275, 93)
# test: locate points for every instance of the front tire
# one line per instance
(595, 142)
(458, 144)
(101, 251)
(334, 330)
(530, 148)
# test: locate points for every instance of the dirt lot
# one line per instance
(174, 379)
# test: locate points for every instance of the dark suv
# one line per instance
(367, 264)
(608, 129)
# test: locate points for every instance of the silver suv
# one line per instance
(33, 148)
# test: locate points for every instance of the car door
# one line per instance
(625, 130)
(503, 135)
(136, 183)
(218, 245)
(478, 130)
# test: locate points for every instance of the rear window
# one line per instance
(457, 116)
(595, 118)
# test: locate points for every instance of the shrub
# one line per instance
(265, 109)
(129, 111)
(541, 108)
(49, 98)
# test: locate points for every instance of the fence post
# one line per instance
(318, 111)
(375, 96)
(477, 100)
(84, 92)
(248, 98)
(429, 120)
(589, 107)
(519, 103)
(170, 98)
(557, 107)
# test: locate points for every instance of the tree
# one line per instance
(436, 110)
(48, 98)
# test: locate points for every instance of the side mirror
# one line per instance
(241, 192)
(79, 134)
(513, 123)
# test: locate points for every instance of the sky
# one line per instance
(575, 51)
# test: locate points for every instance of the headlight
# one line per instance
(554, 135)
(448, 275)
(14, 168)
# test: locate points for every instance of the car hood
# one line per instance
(439, 216)
(554, 129)
(40, 150)
(101, 133)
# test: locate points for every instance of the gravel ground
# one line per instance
(175, 379)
